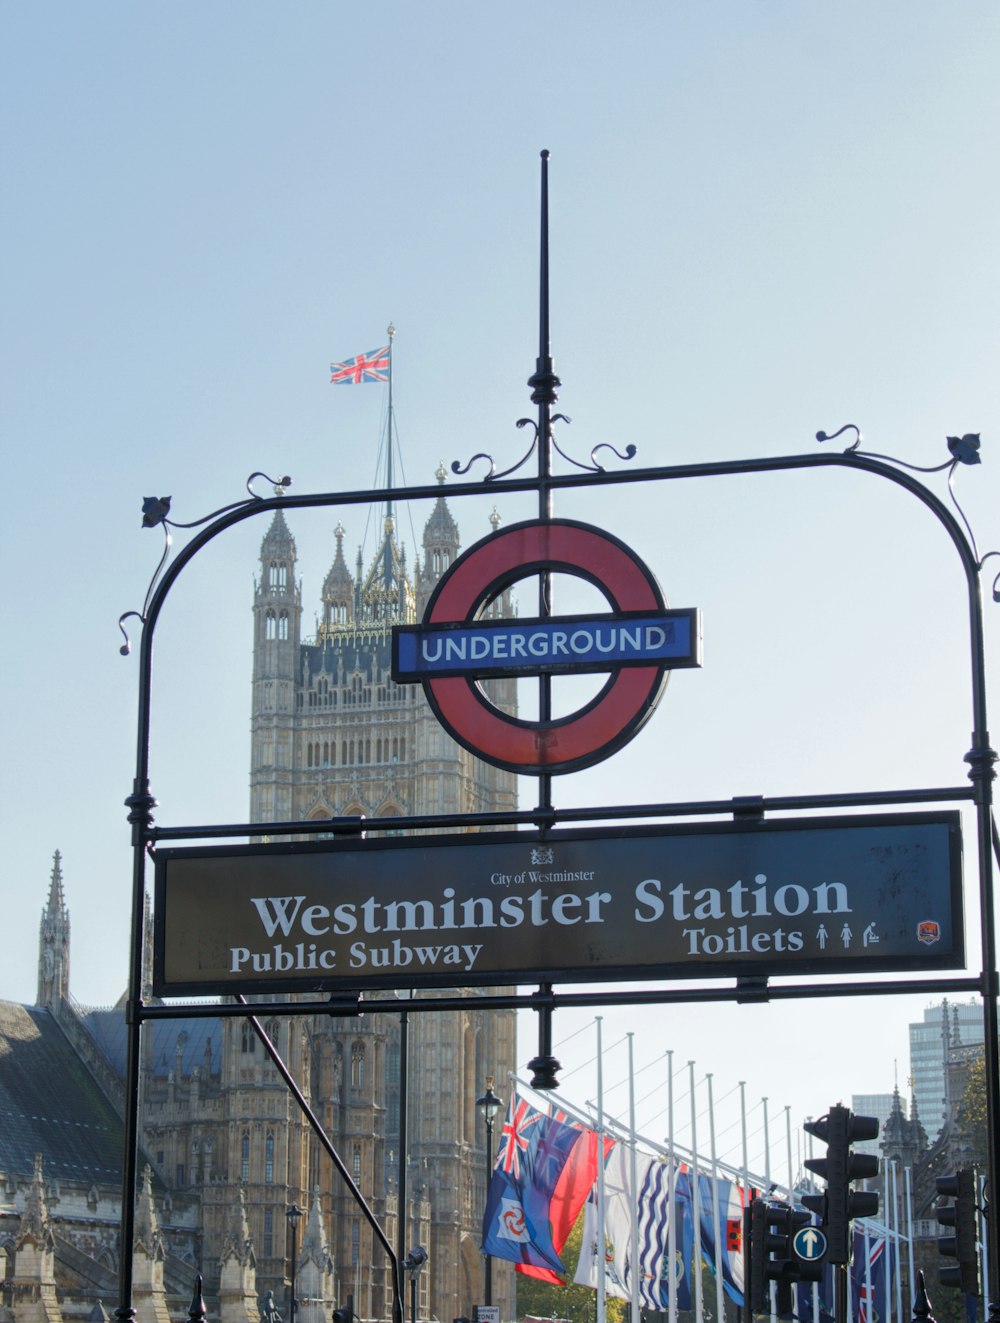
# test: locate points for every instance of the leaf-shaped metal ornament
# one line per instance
(965, 448)
(154, 510)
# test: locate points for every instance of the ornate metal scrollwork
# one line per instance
(460, 469)
(154, 515)
(963, 450)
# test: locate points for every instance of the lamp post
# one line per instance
(412, 1264)
(489, 1104)
(292, 1215)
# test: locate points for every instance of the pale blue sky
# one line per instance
(767, 218)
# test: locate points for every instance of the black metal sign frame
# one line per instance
(544, 817)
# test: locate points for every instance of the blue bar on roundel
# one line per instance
(532, 647)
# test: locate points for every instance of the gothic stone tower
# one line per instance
(331, 734)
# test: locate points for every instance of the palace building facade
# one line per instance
(226, 1149)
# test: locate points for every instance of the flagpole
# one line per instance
(601, 1302)
(720, 1308)
(744, 1247)
(895, 1244)
(815, 1289)
(696, 1205)
(391, 332)
(868, 1273)
(634, 1201)
(767, 1190)
(908, 1174)
(672, 1273)
(788, 1146)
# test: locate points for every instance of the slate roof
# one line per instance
(107, 1028)
(51, 1104)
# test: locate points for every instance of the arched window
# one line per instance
(270, 625)
(248, 1039)
(269, 1160)
(268, 1232)
(309, 752)
(358, 1066)
(356, 1163)
(245, 1156)
(283, 625)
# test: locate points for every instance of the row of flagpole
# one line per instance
(888, 1233)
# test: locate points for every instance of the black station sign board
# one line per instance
(460, 642)
(858, 895)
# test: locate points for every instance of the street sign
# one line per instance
(784, 896)
(638, 643)
(809, 1244)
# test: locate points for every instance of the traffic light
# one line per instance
(839, 1129)
(770, 1232)
(960, 1216)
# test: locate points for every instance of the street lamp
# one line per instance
(292, 1216)
(489, 1104)
(412, 1264)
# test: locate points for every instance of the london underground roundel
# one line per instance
(636, 643)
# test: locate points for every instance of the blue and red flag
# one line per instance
(534, 1150)
(373, 366)
(576, 1180)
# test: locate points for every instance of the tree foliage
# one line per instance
(576, 1303)
(972, 1110)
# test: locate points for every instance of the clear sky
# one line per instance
(767, 218)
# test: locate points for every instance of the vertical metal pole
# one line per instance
(488, 1266)
(720, 1309)
(543, 385)
(601, 1301)
(292, 1302)
(633, 1211)
(699, 1293)
(672, 1188)
(402, 1190)
(909, 1239)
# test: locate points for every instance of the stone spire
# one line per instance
(238, 1270)
(53, 942)
(338, 588)
(315, 1270)
(149, 1294)
(34, 1257)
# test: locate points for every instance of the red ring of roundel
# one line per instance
(614, 716)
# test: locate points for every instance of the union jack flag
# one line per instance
(513, 1140)
(373, 366)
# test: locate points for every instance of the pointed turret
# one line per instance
(148, 1292)
(238, 1270)
(53, 945)
(277, 629)
(338, 588)
(315, 1267)
(277, 606)
(34, 1279)
(386, 593)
